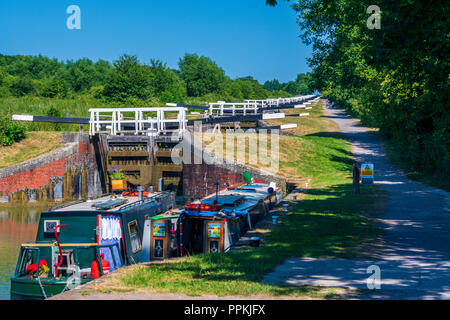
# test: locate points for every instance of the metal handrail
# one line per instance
(153, 198)
(75, 253)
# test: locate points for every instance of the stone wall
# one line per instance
(69, 172)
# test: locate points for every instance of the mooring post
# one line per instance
(356, 176)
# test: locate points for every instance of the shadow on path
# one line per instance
(415, 261)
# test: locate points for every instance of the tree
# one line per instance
(55, 88)
(84, 74)
(128, 79)
(272, 85)
(201, 75)
(394, 78)
(166, 84)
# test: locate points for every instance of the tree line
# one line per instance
(395, 78)
(127, 79)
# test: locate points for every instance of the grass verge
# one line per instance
(329, 222)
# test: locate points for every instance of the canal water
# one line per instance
(18, 224)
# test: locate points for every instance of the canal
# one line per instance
(18, 224)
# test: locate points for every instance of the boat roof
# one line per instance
(224, 199)
(109, 203)
(242, 198)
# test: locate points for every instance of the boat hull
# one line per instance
(29, 289)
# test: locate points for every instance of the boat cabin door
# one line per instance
(214, 232)
(109, 235)
(159, 239)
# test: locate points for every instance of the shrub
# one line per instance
(10, 131)
(55, 88)
(53, 112)
(96, 92)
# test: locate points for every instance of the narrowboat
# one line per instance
(213, 224)
(79, 241)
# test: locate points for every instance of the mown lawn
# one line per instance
(330, 221)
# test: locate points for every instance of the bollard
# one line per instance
(294, 197)
(254, 241)
(285, 206)
(274, 219)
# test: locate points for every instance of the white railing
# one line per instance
(276, 102)
(132, 120)
(222, 108)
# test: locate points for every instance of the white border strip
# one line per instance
(268, 116)
(22, 117)
(288, 126)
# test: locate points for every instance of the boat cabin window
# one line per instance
(27, 259)
(134, 236)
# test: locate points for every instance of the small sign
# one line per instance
(367, 173)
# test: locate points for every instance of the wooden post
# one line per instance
(356, 177)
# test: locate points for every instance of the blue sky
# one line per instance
(244, 37)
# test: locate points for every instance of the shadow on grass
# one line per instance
(326, 224)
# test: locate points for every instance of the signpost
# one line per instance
(367, 173)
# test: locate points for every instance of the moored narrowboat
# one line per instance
(213, 224)
(79, 241)
(216, 223)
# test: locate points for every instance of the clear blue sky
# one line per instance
(244, 37)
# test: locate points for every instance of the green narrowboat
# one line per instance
(79, 241)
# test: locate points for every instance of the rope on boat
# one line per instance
(74, 278)
(40, 285)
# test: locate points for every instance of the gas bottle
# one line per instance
(95, 273)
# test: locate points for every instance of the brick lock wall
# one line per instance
(199, 179)
(33, 179)
(75, 175)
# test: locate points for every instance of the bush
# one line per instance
(53, 112)
(55, 88)
(4, 92)
(22, 86)
(96, 92)
(10, 131)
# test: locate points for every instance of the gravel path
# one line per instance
(415, 261)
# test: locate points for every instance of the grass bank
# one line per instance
(329, 222)
(35, 144)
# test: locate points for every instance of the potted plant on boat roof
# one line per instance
(118, 179)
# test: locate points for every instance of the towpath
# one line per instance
(414, 262)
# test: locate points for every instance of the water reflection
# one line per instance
(18, 224)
